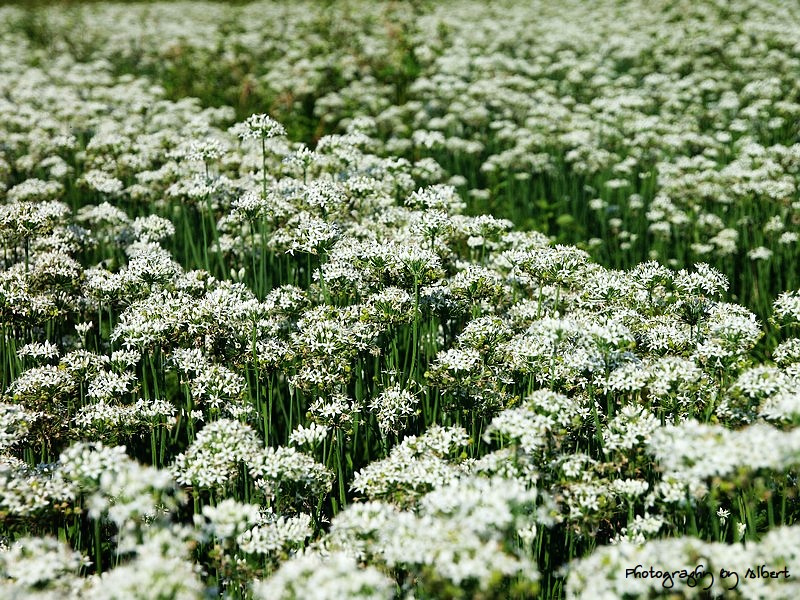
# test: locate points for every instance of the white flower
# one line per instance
(213, 458)
(308, 436)
(760, 253)
(392, 407)
(259, 126)
(314, 577)
(228, 519)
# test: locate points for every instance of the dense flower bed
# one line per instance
(399, 301)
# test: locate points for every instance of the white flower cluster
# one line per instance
(455, 536)
(392, 407)
(141, 414)
(312, 435)
(688, 567)
(260, 126)
(277, 468)
(213, 459)
(30, 491)
(416, 465)
(334, 576)
(40, 565)
(538, 422)
(275, 535)
(693, 453)
(14, 424)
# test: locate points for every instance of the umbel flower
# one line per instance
(259, 126)
(213, 459)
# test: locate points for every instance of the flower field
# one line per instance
(400, 300)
